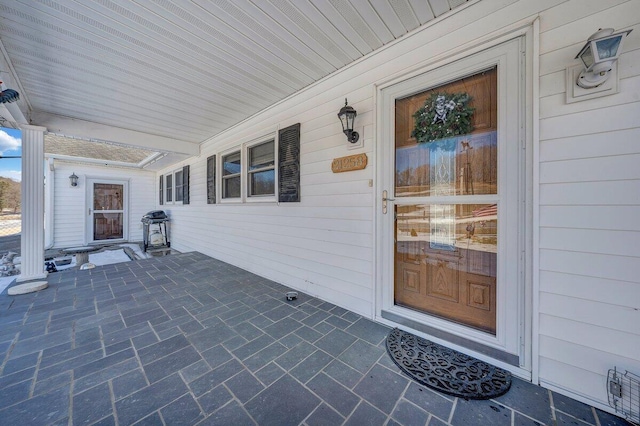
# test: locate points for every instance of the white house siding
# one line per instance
(70, 204)
(589, 275)
(586, 202)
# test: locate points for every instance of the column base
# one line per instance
(23, 278)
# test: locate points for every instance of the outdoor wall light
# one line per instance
(8, 95)
(598, 55)
(73, 179)
(347, 115)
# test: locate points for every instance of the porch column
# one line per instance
(32, 204)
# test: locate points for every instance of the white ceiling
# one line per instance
(153, 72)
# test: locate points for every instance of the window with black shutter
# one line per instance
(176, 187)
(289, 164)
(211, 180)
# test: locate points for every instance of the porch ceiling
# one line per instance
(169, 74)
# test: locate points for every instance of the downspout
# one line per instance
(49, 176)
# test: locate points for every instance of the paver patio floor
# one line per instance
(186, 339)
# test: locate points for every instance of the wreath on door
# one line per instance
(443, 115)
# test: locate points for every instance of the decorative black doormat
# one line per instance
(444, 369)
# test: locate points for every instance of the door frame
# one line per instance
(511, 349)
(91, 180)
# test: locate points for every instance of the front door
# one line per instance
(107, 210)
(445, 240)
(451, 214)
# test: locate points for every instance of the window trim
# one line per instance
(222, 197)
(287, 160)
(173, 193)
(269, 198)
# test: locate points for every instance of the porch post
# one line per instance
(32, 204)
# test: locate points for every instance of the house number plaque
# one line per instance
(349, 163)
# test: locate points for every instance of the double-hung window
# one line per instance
(175, 187)
(261, 170)
(232, 175)
(178, 185)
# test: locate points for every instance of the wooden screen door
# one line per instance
(107, 215)
(452, 218)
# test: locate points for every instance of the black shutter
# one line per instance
(211, 180)
(161, 190)
(289, 164)
(185, 185)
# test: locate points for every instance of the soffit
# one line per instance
(186, 70)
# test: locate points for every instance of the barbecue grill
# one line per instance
(158, 237)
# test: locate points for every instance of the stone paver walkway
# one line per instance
(186, 339)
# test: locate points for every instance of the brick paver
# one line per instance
(187, 339)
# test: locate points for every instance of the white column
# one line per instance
(32, 204)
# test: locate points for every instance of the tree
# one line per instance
(9, 194)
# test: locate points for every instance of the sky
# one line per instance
(10, 145)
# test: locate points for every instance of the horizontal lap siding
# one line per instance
(589, 301)
(323, 245)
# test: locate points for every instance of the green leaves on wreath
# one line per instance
(443, 115)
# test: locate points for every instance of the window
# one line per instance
(231, 175)
(179, 185)
(176, 187)
(264, 170)
(261, 170)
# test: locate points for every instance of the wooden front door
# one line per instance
(446, 204)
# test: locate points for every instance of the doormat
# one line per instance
(444, 369)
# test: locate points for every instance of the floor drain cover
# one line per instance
(444, 369)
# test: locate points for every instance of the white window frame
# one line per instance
(173, 192)
(247, 147)
(243, 148)
(222, 196)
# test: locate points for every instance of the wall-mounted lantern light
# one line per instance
(598, 56)
(73, 180)
(8, 95)
(347, 116)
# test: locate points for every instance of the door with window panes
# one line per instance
(107, 211)
(451, 208)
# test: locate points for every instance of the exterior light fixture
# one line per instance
(73, 179)
(8, 95)
(598, 55)
(347, 115)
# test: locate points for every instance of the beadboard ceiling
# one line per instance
(169, 74)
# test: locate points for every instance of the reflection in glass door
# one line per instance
(108, 211)
(446, 206)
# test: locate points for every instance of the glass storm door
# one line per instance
(446, 225)
(452, 167)
(107, 211)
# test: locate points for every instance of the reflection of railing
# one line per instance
(10, 224)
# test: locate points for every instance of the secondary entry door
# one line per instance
(451, 202)
(107, 210)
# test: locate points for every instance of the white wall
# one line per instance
(589, 271)
(70, 204)
(586, 203)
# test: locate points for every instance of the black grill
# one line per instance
(155, 217)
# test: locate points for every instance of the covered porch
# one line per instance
(188, 339)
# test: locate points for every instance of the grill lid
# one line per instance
(154, 215)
